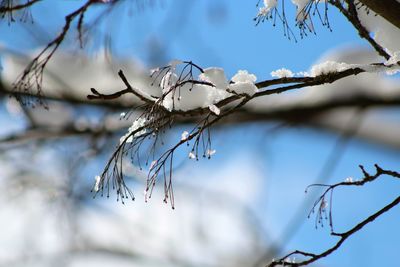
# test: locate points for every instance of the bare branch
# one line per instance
(129, 89)
(321, 204)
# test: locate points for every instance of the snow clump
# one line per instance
(243, 83)
(282, 73)
(189, 96)
(329, 67)
(137, 124)
(268, 6)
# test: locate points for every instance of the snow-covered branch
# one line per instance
(211, 96)
(389, 9)
(352, 16)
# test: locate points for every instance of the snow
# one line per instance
(138, 123)
(192, 155)
(190, 96)
(270, 3)
(216, 76)
(243, 83)
(349, 180)
(214, 109)
(352, 86)
(243, 88)
(152, 164)
(301, 5)
(186, 97)
(268, 6)
(282, 73)
(70, 71)
(328, 67)
(395, 61)
(210, 152)
(385, 33)
(363, 84)
(96, 187)
(184, 135)
(243, 76)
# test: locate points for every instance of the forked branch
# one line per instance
(321, 206)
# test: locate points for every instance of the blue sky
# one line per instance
(223, 33)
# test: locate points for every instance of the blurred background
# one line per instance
(243, 207)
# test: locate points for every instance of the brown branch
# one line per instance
(128, 90)
(314, 257)
(283, 80)
(97, 95)
(299, 82)
(310, 81)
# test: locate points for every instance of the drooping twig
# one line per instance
(7, 8)
(304, 17)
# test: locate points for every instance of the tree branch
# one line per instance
(285, 261)
(388, 9)
(129, 89)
